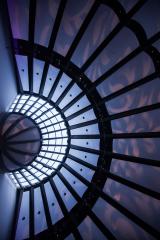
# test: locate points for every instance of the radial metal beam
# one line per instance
(116, 205)
(46, 207)
(141, 223)
(52, 41)
(32, 16)
(117, 66)
(7, 23)
(76, 174)
(85, 149)
(57, 23)
(54, 138)
(86, 164)
(112, 34)
(52, 124)
(139, 160)
(30, 184)
(52, 152)
(32, 105)
(134, 111)
(50, 159)
(31, 214)
(55, 84)
(102, 228)
(14, 109)
(78, 112)
(70, 104)
(143, 47)
(58, 197)
(43, 113)
(85, 136)
(67, 89)
(44, 165)
(33, 175)
(17, 179)
(55, 145)
(72, 49)
(130, 87)
(59, 130)
(134, 135)
(134, 186)
(19, 196)
(83, 124)
(76, 196)
(101, 225)
(40, 170)
(82, 29)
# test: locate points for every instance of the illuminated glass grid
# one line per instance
(54, 139)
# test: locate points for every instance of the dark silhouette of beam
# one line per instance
(19, 196)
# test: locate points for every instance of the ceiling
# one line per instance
(96, 65)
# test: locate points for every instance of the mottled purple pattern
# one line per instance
(118, 224)
(128, 4)
(142, 96)
(73, 17)
(144, 147)
(149, 17)
(136, 69)
(111, 54)
(19, 18)
(141, 174)
(143, 122)
(101, 25)
(139, 67)
(45, 16)
(138, 203)
(90, 231)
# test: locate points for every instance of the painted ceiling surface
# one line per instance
(114, 46)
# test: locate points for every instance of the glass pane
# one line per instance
(140, 204)
(111, 54)
(74, 15)
(117, 223)
(90, 231)
(19, 18)
(23, 220)
(38, 66)
(39, 213)
(102, 23)
(22, 64)
(54, 208)
(150, 22)
(44, 25)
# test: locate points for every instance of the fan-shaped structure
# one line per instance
(20, 141)
(82, 135)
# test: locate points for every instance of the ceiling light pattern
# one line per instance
(109, 52)
(54, 139)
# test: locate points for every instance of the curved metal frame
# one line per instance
(41, 138)
(84, 206)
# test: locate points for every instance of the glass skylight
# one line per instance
(54, 139)
(99, 62)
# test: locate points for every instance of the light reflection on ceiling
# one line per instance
(98, 62)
